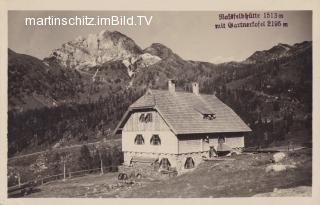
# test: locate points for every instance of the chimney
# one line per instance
(171, 86)
(195, 88)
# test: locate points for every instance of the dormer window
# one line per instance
(139, 140)
(209, 116)
(155, 140)
(206, 113)
(145, 117)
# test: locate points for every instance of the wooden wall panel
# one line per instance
(133, 123)
(169, 142)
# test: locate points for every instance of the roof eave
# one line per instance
(166, 121)
(211, 132)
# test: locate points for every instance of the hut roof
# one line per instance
(185, 112)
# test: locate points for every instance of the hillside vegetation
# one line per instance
(64, 99)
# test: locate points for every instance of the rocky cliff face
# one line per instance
(83, 53)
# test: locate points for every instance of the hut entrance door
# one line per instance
(205, 144)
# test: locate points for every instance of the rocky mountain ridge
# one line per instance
(97, 49)
(279, 51)
(101, 64)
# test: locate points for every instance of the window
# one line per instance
(155, 140)
(165, 164)
(148, 117)
(206, 139)
(189, 163)
(139, 140)
(141, 118)
(145, 117)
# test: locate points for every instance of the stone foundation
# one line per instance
(144, 170)
(177, 161)
(196, 156)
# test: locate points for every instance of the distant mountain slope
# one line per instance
(279, 51)
(124, 64)
(282, 63)
(34, 84)
(91, 83)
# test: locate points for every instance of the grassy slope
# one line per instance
(242, 177)
(23, 163)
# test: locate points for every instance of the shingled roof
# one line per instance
(183, 112)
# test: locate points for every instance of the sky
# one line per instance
(190, 34)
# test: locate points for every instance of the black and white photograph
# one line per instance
(159, 104)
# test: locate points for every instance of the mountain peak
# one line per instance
(96, 49)
(284, 46)
(160, 50)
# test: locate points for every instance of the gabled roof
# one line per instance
(183, 112)
(147, 100)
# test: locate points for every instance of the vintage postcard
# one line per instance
(156, 104)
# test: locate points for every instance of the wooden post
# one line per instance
(19, 180)
(64, 171)
(101, 165)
